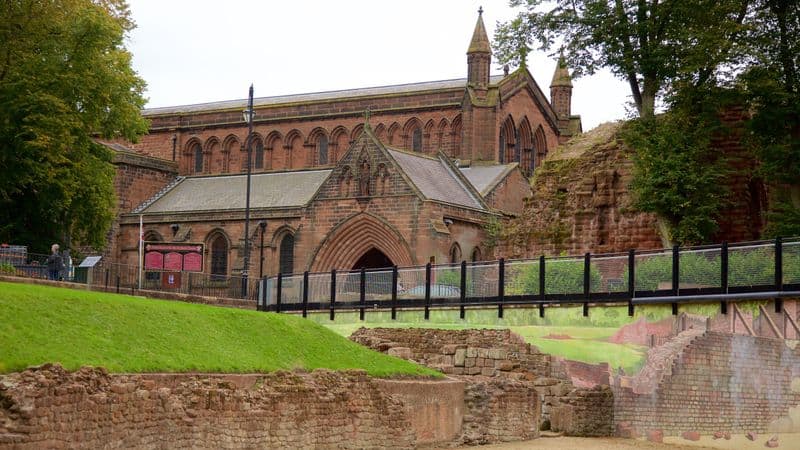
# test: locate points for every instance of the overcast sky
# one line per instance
(196, 51)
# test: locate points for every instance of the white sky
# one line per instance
(196, 51)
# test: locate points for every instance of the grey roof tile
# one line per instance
(485, 178)
(435, 179)
(316, 96)
(268, 190)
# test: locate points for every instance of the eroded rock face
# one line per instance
(581, 202)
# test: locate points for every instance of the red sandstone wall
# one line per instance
(721, 382)
(509, 194)
(137, 179)
(290, 131)
(581, 203)
(50, 408)
(46, 407)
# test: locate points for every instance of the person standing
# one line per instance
(54, 263)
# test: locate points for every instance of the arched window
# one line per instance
(258, 148)
(322, 149)
(287, 254)
(219, 257)
(416, 140)
(455, 254)
(476, 254)
(197, 152)
(502, 146)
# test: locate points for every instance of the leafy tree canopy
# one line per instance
(647, 43)
(65, 79)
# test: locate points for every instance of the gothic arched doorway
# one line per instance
(373, 259)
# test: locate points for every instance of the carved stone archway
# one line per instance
(354, 237)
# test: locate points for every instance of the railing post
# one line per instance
(501, 286)
(333, 292)
(362, 293)
(676, 261)
(723, 258)
(587, 281)
(305, 294)
(394, 292)
(278, 289)
(778, 272)
(427, 290)
(541, 285)
(117, 284)
(778, 264)
(631, 280)
(106, 278)
(463, 286)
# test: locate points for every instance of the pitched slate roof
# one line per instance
(485, 178)
(316, 96)
(435, 179)
(268, 190)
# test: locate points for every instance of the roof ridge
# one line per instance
(158, 195)
(260, 101)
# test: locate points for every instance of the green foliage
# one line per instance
(647, 44)
(676, 174)
(561, 277)
(746, 267)
(783, 219)
(41, 324)
(65, 79)
(494, 232)
(7, 268)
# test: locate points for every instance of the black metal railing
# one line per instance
(724, 273)
(123, 278)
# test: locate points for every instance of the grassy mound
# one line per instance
(41, 324)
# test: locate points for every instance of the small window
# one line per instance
(476, 254)
(287, 254)
(322, 145)
(219, 258)
(502, 146)
(259, 150)
(455, 254)
(416, 140)
(198, 158)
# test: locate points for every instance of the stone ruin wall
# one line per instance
(718, 382)
(581, 203)
(47, 407)
(492, 358)
(581, 200)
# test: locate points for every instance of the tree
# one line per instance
(648, 43)
(65, 79)
(772, 91)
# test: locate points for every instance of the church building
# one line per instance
(371, 177)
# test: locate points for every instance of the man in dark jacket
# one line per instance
(54, 264)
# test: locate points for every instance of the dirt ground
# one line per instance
(737, 442)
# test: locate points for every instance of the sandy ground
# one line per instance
(737, 442)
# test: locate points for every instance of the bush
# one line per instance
(7, 269)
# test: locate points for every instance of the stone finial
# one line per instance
(480, 40)
(561, 76)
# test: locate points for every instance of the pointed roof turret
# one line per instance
(480, 41)
(561, 76)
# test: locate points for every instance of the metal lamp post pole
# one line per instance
(249, 119)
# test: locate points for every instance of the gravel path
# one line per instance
(738, 442)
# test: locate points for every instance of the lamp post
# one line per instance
(263, 226)
(248, 117)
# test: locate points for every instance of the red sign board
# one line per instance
(173, 257)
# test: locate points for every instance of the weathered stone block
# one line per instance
(459, 357)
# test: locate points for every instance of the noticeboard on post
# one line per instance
(173, 257)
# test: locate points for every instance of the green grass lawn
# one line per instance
(589, 343)
(40, 324)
